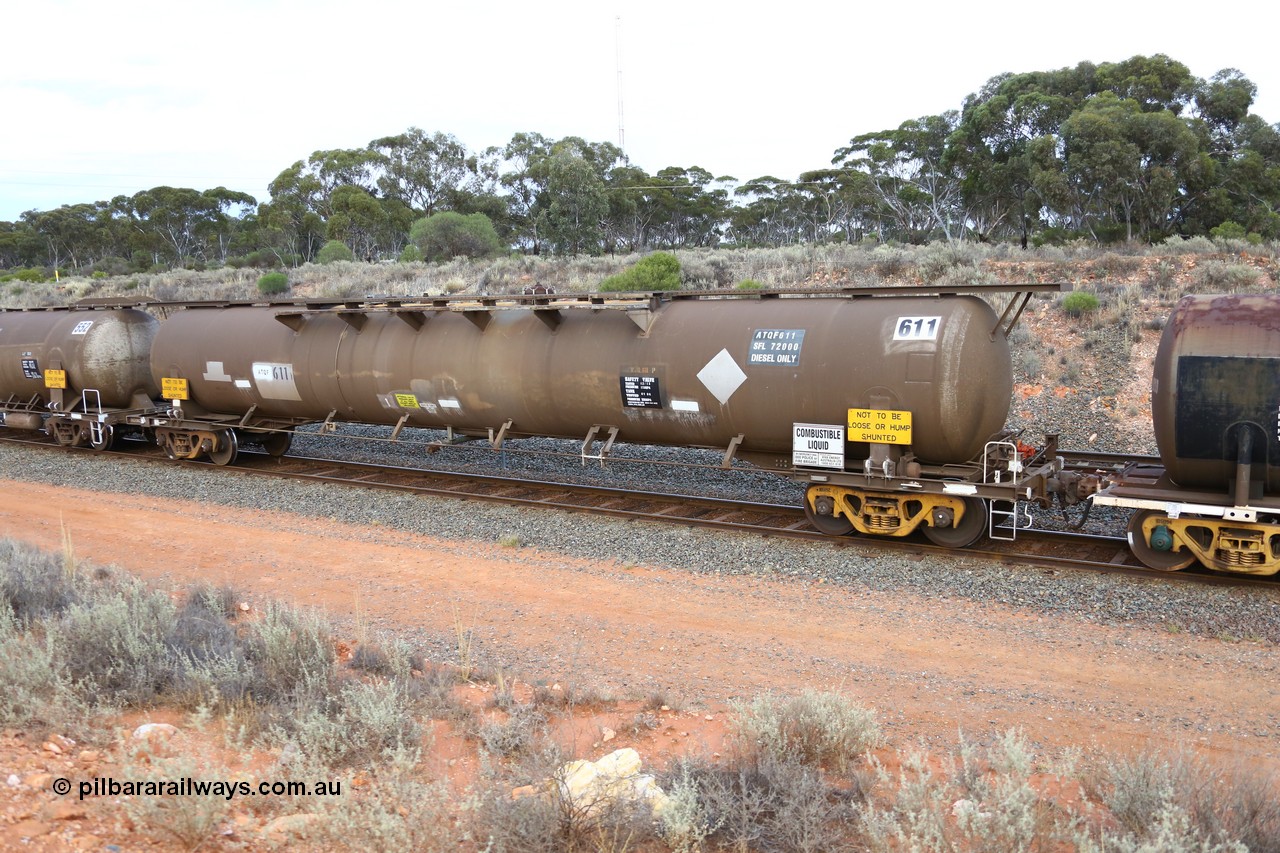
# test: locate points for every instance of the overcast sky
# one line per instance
(100, 99)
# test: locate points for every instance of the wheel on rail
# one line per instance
(1152, 557)
(276, 443)
(227, 450)
(961, 534)
(106, 437)
(825, 522)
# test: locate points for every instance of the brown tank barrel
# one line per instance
(1216, 377)
(703, 371)
(104, 350)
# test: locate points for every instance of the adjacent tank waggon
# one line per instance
(72, 372)
(1215, 399)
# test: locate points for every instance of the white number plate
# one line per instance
(917, 329)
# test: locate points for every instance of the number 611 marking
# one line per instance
(917, 329)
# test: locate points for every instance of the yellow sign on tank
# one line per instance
(880, 426)
(173, 389)
(55, 379)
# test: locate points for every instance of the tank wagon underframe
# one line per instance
(1173, 527)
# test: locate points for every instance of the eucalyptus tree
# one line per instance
(20, 244)
(558, 192)
(65, 233)
(998, 146)
(835, 202)
(357, 219)
(179, 224)
(686, 210)
(631, 210)
(1123, 168)
(427, 172)
(523, 184)
(573, 204)
(761, 216)
(918, 190)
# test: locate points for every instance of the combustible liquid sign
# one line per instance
(880, 426)
(817, 446)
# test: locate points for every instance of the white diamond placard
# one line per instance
(722, 376)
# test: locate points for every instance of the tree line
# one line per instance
(1134, 150)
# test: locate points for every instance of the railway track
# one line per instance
(1051, 549)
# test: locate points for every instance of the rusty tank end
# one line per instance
(1215, 391)
(104, 350)
(698, 373)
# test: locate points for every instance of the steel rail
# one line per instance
(1036, 547)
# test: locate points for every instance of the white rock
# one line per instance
(150, 730)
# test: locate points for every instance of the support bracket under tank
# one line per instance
(604, 449)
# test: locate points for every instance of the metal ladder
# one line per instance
(95, 423)
(995, 515)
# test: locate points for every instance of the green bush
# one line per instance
(1079, 302)
(749, 284)
(447, 235)
(272, 283)
(1228, 231)
(658, 271)
(31, 275)
(410, 254)
(334, 250)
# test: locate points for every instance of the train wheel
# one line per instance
(228, 448)
(964, 534)
(827, 523)
(106, 438)
(1164, 561)
(276, 443)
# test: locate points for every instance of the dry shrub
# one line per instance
(815, 728)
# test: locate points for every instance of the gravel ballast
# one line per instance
(1229, 613)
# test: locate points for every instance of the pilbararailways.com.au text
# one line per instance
(188, 787)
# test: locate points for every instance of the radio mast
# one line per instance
(617, 45)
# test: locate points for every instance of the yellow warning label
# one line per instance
(173, 389)
(406, 401)
(880, 426)
(55, 379)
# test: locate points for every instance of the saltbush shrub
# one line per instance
(447, 235)
(272, 283)
(334, 250)
(1078, 303)
(814, 727)
(658, 271)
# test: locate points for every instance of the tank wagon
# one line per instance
(1215, 397)
(890, 408)
(76, 372)
(885, 405)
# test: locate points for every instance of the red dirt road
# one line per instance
(931, 667)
